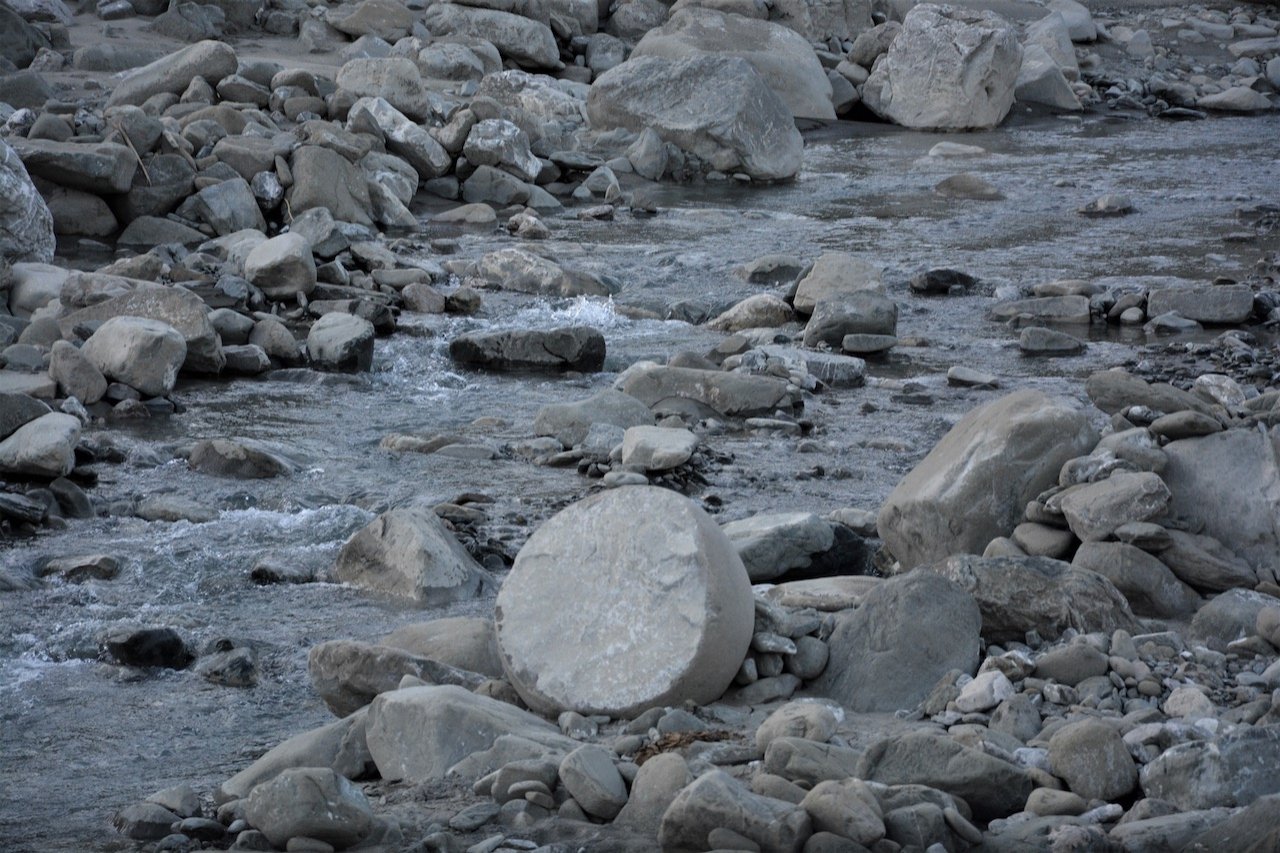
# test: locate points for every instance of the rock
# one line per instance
(239, 460)
(967, 185)
(393, 79)
(941, 281)
(141, 353)
(1205, 563)
(341, 342)
(142, 821)
(324, 178)
(974, 485)
(101, 167)
(657, 448)
(282, 267)
(772, 544)
(408, 553)
(729, 394)
(340, 745)
(208, 60)
(670, 614)
(497, 142)
(1148, 584)
(1113, 390)
(529, 43)
(347, 675)
(523, 272)
(310, 802)
(864, 313)
(383, 18)
(1041, 81)
(1046, 309)
(1234, 769)
(835, 275)
(1095, 510)
(417, 734)
(174, 306)
(1037, 340)
(764, 310)
(131, 645)
(991, 787)
(590, 778)
(568, 348)
(1229, 617)
(847, 808)
(1112, 204)
(230, 207)
(1021, 594)
(1254, 829)
(984, 692)
(467, 642)
(76, 376)
(1236, 99)
(718, 801)
(569, 423)
(880, 661)
(1223, 304)
(42, 447)
(809, 720)
(1091, 757)
(948, 69)
(655, 787)
(782, 57)
(404, 137)
(716, 108)
(26, 226)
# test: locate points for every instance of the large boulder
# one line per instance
(725, 393)
(569, 423)
(570, 348)
(43, 447)
(880, 659)
(209, 60)
(324, 178)
(1232, 770)
(498, 142)
(782, 57)
(948, 69)
(174, 306)
(310, 802)
(19, 40)
(26, 226)
(98, 167)
(716, 800)
(403, 136)
(647, 582)
(771, 544)
(408, 553)
(529, 43)
(835, 275)
(341, 342)
(282, 267)
(340, 746)
(975, 484)
(1151, 588)
(714, 107)
(142, 353)
(393, 79)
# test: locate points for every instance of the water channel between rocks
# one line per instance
(79, 739)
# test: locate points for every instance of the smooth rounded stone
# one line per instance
(77, 569)
(1093, 511)
(276, 341)
(772, 544)
(1072, 664)
(246, 360)
(419, 734)
(880, 661)
(968, 378)
(527, 42)
(310, 802)
(568, 423)
(815, 721)
(1149, 586)
(968, 186)
(589, 775)
(809, 660)
(467, 642)
(347, 674)
(1227, 304)
(1228, 617)
(141, 353)
(282, 267)
(1041, 540)
(717, 800)
(659, 781)
(207, 60)
(948, 69)
(1267, 624)
(409, 553)
(1188, 703)
(780, 55)
(1147, 535)
(984, 692)
(691, 102)
(1051, 801)
(729, 394)
(657, 448)
(239, 460)
(1038, 340)
(863, 344)
(131, 645)
(1236, 99)
(26, 225)
(567, 348)
(144, 821)
(339, 745)
(976, 482)
(1233, 769)
(43, 447)
(341, 342)
(1092, 759)
(847, 808)
(763, 310)
(657, 589)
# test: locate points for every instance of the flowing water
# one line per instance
(80, 738)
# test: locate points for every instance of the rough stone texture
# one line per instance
(1232, 770)
(1148, 584)
(26, 226)
(809, 720)
(404, 137)
(342, 342)
(282, 267)
(310, 802)
(647, 580)
(347, 675)
(1113, 390)
(419, 733)
(718, 801)
(881, 660)
(1091, 757)
(655, 448)
(340, 746)
(847, 808)
(143, 354)
(497, 142)
(1021, 594)
(864, 313)
(569, 423)
(210, 60)
(771, 544)
(782, 58)
(1255, 829)
(43, 447)
(714, 107)
(1095, 510)
(591, 778)
(568, 348)
(974, 485)
(324, 178)
(949, 69)
(408, 553)
(467, 642)
(174, 306)
(76, 376)
(835, 275)
(729, 394)
(1229, 617)
(100, 167)
(394, 79)
(660, 779)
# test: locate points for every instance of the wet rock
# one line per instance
(967, 185)
(241, 460)
(340, 745)
(1227, 304)
(43, 447)
(409, 553)
(569, 348)
(688, 103)
(942, 281)
(1093, 760)
(524, 272)
(1045, 309)
(603, 554)
(143, 354)
(26, 226)
(1113, 390)
(974, 485)
(568, 423)
(835, 275)
(1039, 341)
(341, 342)
(144, 647)
(772, 544)
(763, 310)
(282, 267)
(730, 394)
(1232, 770)
(208, 60)
(78, 569)
(718, 801)
(948, 69)
(880, 661)
(310, 802)
(174, 306)
(1112, 204)
(347, 675)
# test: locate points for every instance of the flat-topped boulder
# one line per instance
(732, 394)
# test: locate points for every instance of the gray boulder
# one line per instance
(174, 306)
(1041, 81)
(1148, 584)
(342, 342)
(43, 447)
(310, 802)
(1226, 304)
(209, 60)
(76, 376)
(729, 394)
(282, 267)
(403, 137)
(340, 746)
(569, 423)
(142, 353)
(497, 142)
(948, 69)
(393, 79)
(655, 787)
(324, 178)
(240, 460)
(835, 275)
(866, 312)
(98, 167)
(26, 226)
(347, 675)
(654, 448)
(529, 43)
(1232, 770)
(570, 348)
(781, 56)
(1094, 510)
(408, 553)
(881, 660)
(656, 590)
(974, 485)
(524, 272)
(467, 642)
(716, 800)
(716, 108)
(17, 410)
(771, 544)
(1091, 757)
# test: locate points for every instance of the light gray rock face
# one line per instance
(174, 306)
(949, 69)
(394, 79)
(467, 642)
(729, 394)
(76, 376)
(418, 734)
(403, 137)
(282, 267)
(655, 787)
(347, 674)
(340, 746)
(100, 167)
(43, 447)
(26, 226)
(881, 660)
(1041, 81)
(976, 483)
(408, 553)
(210, 60)
(324, 178)
(342, 342)
(835, 275)
(782, 57)
(524, 272)
(1225, 304)
(1232, 770)
(648, 581)
(1091, 757)
(497, 142)
(310, 802)
(529, 43)
(716, 800)
(589, 775)
(569, 423)
(866, 312)
(847, 808)
(714, 107)
(809, 720)
(143, 354)
(1021, 594)
(772, 544)
(1095, 510)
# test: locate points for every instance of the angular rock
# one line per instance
(863, 313)
(657, 448)
(718, 801)
(1091, 757)
(174, 306)
(342, 342)
(99, 167)
(324, 178)
(76, 376)
(467, 642)
(592, 780)
(1041, 81)
(239, 460)
(26, 226)
(310, 802)
(208, 60)
(1205, 563)
(340, 746)
(529, 43)
(282, 267)
(403, 137)
(347, 675)
(1234, 769)
(497, 142)
(43, 447)
(143, 354)
(1095, 510)
(772, 544)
